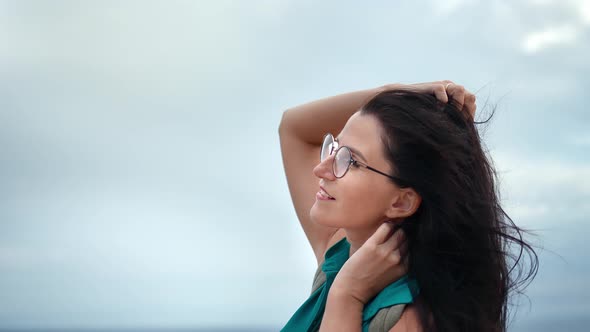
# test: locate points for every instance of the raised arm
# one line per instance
(301, 131)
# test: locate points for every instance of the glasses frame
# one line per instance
(334, 150)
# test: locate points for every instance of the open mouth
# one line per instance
(322, 194)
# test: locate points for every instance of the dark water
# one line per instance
(581, 324)
(147, 329)
(577, 325)
(573, 323)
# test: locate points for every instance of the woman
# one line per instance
(409, 157)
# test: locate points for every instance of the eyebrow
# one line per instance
(355, 151)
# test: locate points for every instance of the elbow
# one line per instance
(283, 125)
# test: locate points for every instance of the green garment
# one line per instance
(309, 316)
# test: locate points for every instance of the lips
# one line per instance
(325, 193)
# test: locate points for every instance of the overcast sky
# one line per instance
(141, 176)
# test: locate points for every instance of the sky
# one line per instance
(140, 168)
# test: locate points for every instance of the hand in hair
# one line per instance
(444, 91)
(380, 261)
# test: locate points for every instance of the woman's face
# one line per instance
(362, 197)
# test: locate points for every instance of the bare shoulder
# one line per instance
(409, 321)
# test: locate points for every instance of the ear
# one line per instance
(404, 204)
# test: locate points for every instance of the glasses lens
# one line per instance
(326, 147)
(341, 162)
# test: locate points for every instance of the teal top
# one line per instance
(309, 316)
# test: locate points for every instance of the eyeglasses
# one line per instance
(343, 159)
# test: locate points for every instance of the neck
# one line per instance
(357, 237)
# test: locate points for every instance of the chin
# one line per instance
(324, 218)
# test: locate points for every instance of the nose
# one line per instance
(323, 170)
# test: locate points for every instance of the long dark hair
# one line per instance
(464, 250)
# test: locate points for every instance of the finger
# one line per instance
(399, 262)
(469, 110)
(396, 240)
(457, 94)
(403, 249)
(406, 262)
(441, 93)
(382, 233)
(470, 105)
(469, 97)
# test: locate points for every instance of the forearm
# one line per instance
(343, 313)
(309, 122)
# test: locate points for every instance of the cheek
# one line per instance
(364, 205)
(359, 204)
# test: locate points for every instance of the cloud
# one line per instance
(133, 39)
(121, 117)
(584, 7)
(574, 19)
(579, 139)
(27, 257)
(549, 37)
(538, 191)
(447, 7)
